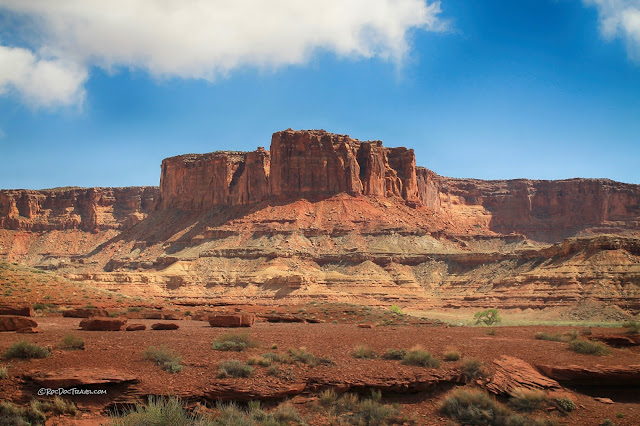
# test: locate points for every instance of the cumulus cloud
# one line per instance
(209, 38)
(620, 18)
(41, 82)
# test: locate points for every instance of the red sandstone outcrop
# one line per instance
(136, 327)
(24, 311)
(15, 322)
(102, 324)
(232, 320)
(599, 375)
(540, 209)
(165, 326)
(79, 377)
(85, 313)
(513, 374)
(87, 209)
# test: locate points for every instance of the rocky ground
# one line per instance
(419, 391)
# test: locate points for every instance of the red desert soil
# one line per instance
(123, 352)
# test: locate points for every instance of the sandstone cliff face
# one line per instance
(300, 164)
(87, 209)
(544, 210)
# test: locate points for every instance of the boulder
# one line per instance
(85, 313)
(599, 375)
(232, 320)
(165, 326)
(76, 377)
(102, 324)
(513, 374)
(15, 322)
(136, 327)
(152, 315)
(24, 311)
(282, 318)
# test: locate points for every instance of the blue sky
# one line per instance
(486, 89)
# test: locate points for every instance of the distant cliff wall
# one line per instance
(87, 209)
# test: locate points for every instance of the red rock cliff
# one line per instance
(539, 209)
(75, 208)
(300, 164)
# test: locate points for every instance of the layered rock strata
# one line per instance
(87, 209)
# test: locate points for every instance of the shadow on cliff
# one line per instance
(179, 227)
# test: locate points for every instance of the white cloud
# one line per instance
(208, 38)
(41, 82)
(620, 18)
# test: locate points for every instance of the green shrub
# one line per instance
(395, 309)
(586, 331)
(397, 354)
(451, 354)
(567, 336)
(607, 422)
(472, 368)
(420, 357)
(364, 352)
(328, 397)
(233, 341)
(633, 327)
(14, 415)
(565, 404)
(262, 361)
(234, 368)
(4, 372)
(71, 342)
(474, 407)
(26, 350)
(487, 317)
(588, 347)
(57, 406)
(302, 356)
(527, 399)
(158, 412)
(167, 359)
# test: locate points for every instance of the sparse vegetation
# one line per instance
(419, 356)
(233, 341)
(491, 332)
(26, 350)
(364, 352)
(472, 368)
(451, 354)
(487, 317)
(395, 309)
(71, 342)
(234, 368)
(167, 359)
(56, 406)
(158, 411)
(527, 399)
(350, 409)
(473, 407)
(396, 354)
(302, 356)
(587, 347)
(4, 372)
(11, 414)
(565, 404)
(567, 336)
(476, 407)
